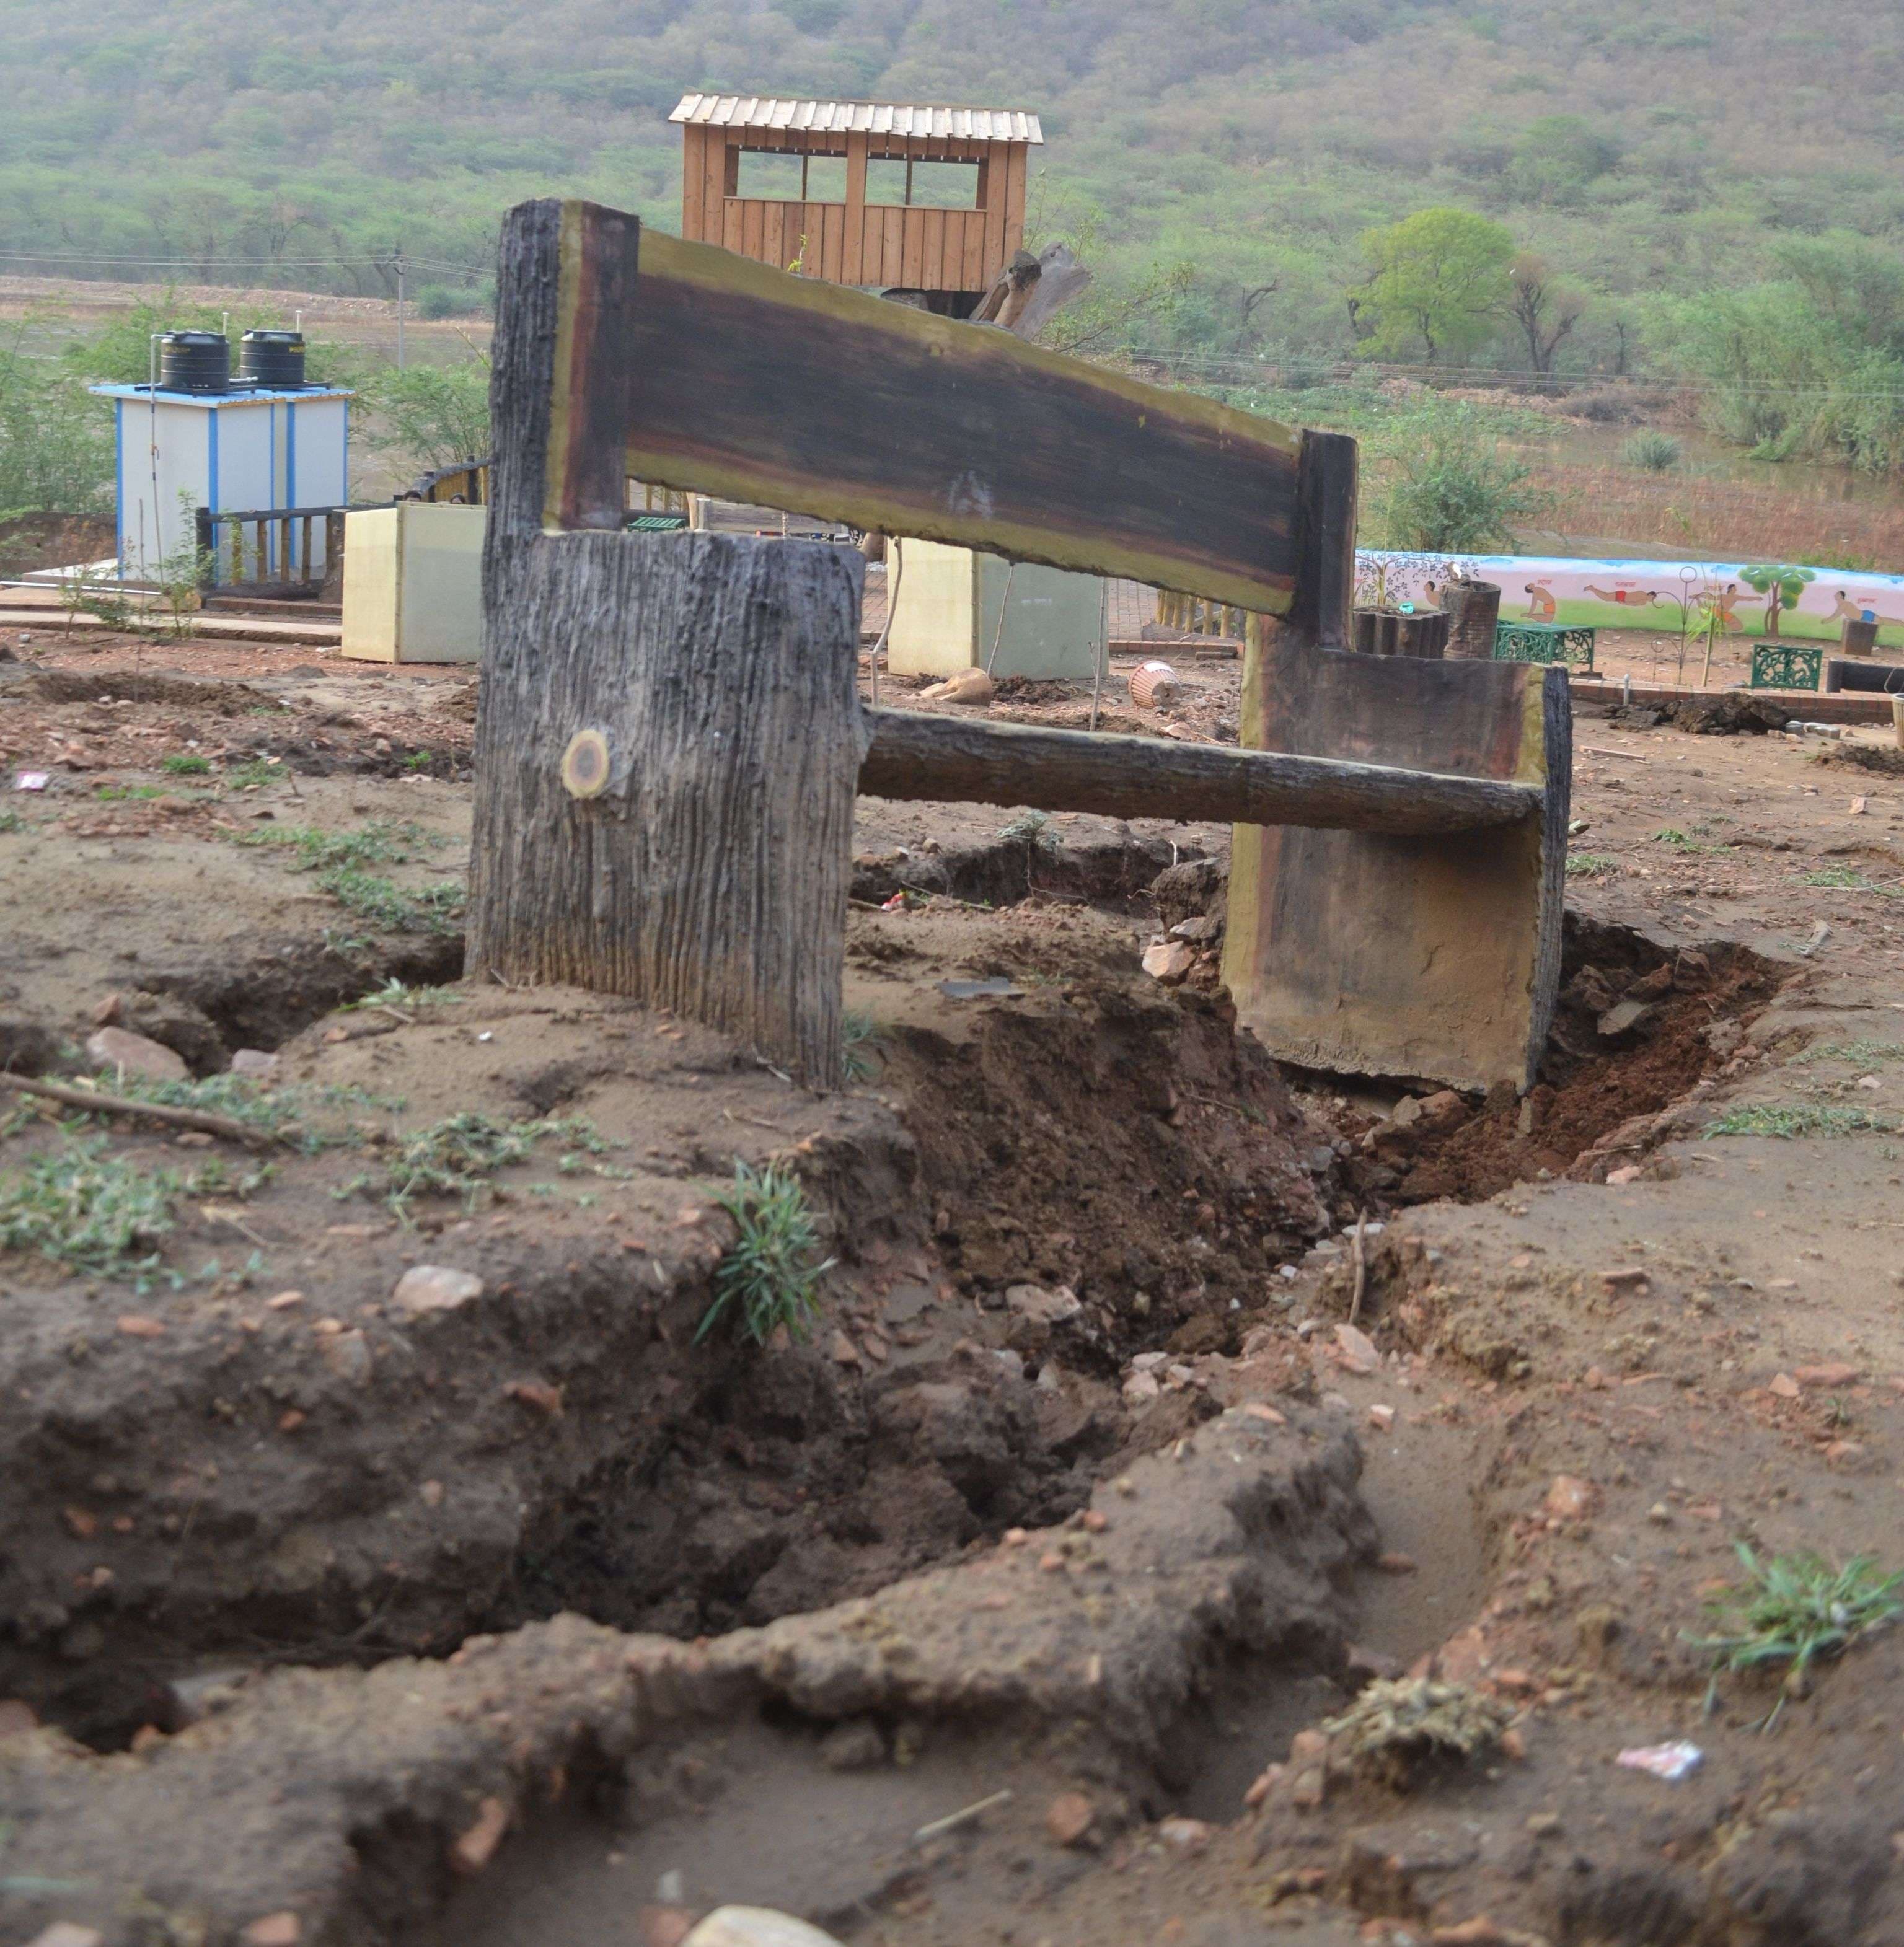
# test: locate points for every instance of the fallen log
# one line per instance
(97, 1102)
(959, 759)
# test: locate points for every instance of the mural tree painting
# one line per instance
(1782, 588)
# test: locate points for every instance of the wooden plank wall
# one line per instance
(855, 242)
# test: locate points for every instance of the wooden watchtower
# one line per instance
(918, 199)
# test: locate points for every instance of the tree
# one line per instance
(1440, 276)
(436, 415)
(1556, 158)
(1545, 310)
(1782, 587)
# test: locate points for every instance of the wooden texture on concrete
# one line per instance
(944, 758)
(1436, 957)
(708, 873)
(754, 385)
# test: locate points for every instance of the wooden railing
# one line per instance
(269, 546)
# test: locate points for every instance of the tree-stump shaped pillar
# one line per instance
(669, 735)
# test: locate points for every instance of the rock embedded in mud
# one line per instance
(275, 1929)
(114, 1048)
(1068, 1819)
(427, 1287)
(254, 1061)
(855, 1747)
(1168, 961)
(64, 1933)
(1569, 1498)
(1041, 1305)
(756, 1927)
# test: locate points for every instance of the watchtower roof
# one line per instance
(896, 121)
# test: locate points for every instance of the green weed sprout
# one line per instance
(768, 1275)
(1793, 1610)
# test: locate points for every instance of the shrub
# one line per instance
(1449, 487)
(1650, 452)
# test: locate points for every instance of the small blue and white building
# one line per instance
(250, 448)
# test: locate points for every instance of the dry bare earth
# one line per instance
(812, 1624)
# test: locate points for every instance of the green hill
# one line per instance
(1220, 158)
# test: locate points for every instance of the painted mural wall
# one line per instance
(1779, 599)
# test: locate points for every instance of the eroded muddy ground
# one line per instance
(388, 1559)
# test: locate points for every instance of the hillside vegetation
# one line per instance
(1708, 192)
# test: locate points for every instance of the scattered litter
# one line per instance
(1672, 1762)
(32, 781)
(997, 988)
(1155, 684)
(898, 902)
(953, 1820)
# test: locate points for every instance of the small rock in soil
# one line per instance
(858, 1746)
(1168, 961)
(1042, 1306)
(1395, 1563)
(113, 1047)
(1068, 1819)
(665, 1926)
(756, 1927)
(1569, 1498)
(1185, 1837)
(254, 1061)
(475, 1849)
(64, 1933)
(426, 1288)
(1357, 1348)
(1836, 1374)
(275, 1929)
(1627, 1018)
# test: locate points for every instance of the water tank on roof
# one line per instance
(273, 360)
(194, 361)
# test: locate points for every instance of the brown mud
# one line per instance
(1158, 1400)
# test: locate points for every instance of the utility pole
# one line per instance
(399, 307)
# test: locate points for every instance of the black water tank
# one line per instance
(194, 361)
(272, 359)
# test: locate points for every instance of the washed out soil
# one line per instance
(1069, 1494)
(29, 542)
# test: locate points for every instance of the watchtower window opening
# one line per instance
(911, 183)
(780, 176)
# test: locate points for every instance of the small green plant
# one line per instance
(1793, 1610)
(1680, 841)
(1395, 1727)
(1796, 1119)
(378, 843)
(91, 1210)
(119, 793)
(1591, 865)
(186, 764)
(420, 760)
(1651, 452)
(259, 771)
(768, 1276)
(400, 995)
(383, 903)
(457, 1156)
(1032, 829)
(1845, 878)
(1858, 1051)
(861, 1033)
(11, 820)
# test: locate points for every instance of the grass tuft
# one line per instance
(1793, 1610)
(861, 1034)
(378, 843)
(399, 994)
(1793, 1118)
(767, 1277)
(1862, 1052)
(1033, 829)
(383, 903)
(183, 764)
(91, 1211)
(456, 1157)
(1591, 864)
